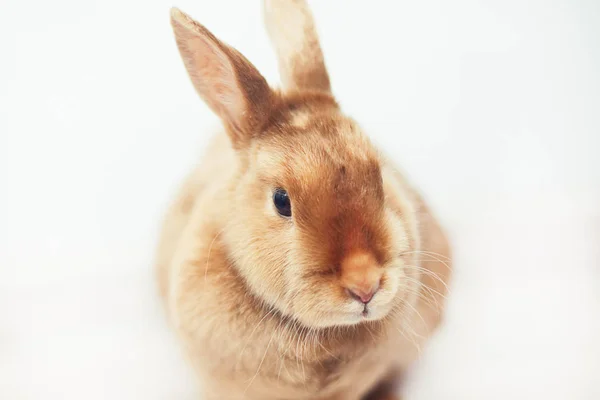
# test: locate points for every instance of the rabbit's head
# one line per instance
(313, 227)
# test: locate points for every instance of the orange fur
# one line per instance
(262, 303)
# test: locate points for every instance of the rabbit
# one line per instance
(296, 262)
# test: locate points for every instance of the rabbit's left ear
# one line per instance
(224, 79)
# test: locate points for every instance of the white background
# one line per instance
(491, 107)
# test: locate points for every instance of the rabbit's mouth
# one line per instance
(375, 312)
(367, 312)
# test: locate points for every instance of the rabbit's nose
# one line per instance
(361, 294)
(361, 276)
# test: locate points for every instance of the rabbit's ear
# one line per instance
(293, 34)
(226, 80)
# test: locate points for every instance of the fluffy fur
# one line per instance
(269, 307)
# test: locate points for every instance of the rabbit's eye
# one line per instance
(282, 203)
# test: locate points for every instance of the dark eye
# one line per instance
(282, 203)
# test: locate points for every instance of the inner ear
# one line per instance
(227, 82)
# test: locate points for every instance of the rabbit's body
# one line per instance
(248, 290)
(247, 352)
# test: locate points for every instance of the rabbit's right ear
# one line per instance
(292, 31)
(226, 80)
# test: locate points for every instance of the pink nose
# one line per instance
(364, 296)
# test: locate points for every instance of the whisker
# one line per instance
(251, 335)
(430, 301)
(429, 273)
(436, 257)
(422, 284)
(411, 340)
(261, 363)
(428, 253)
(416, 312)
